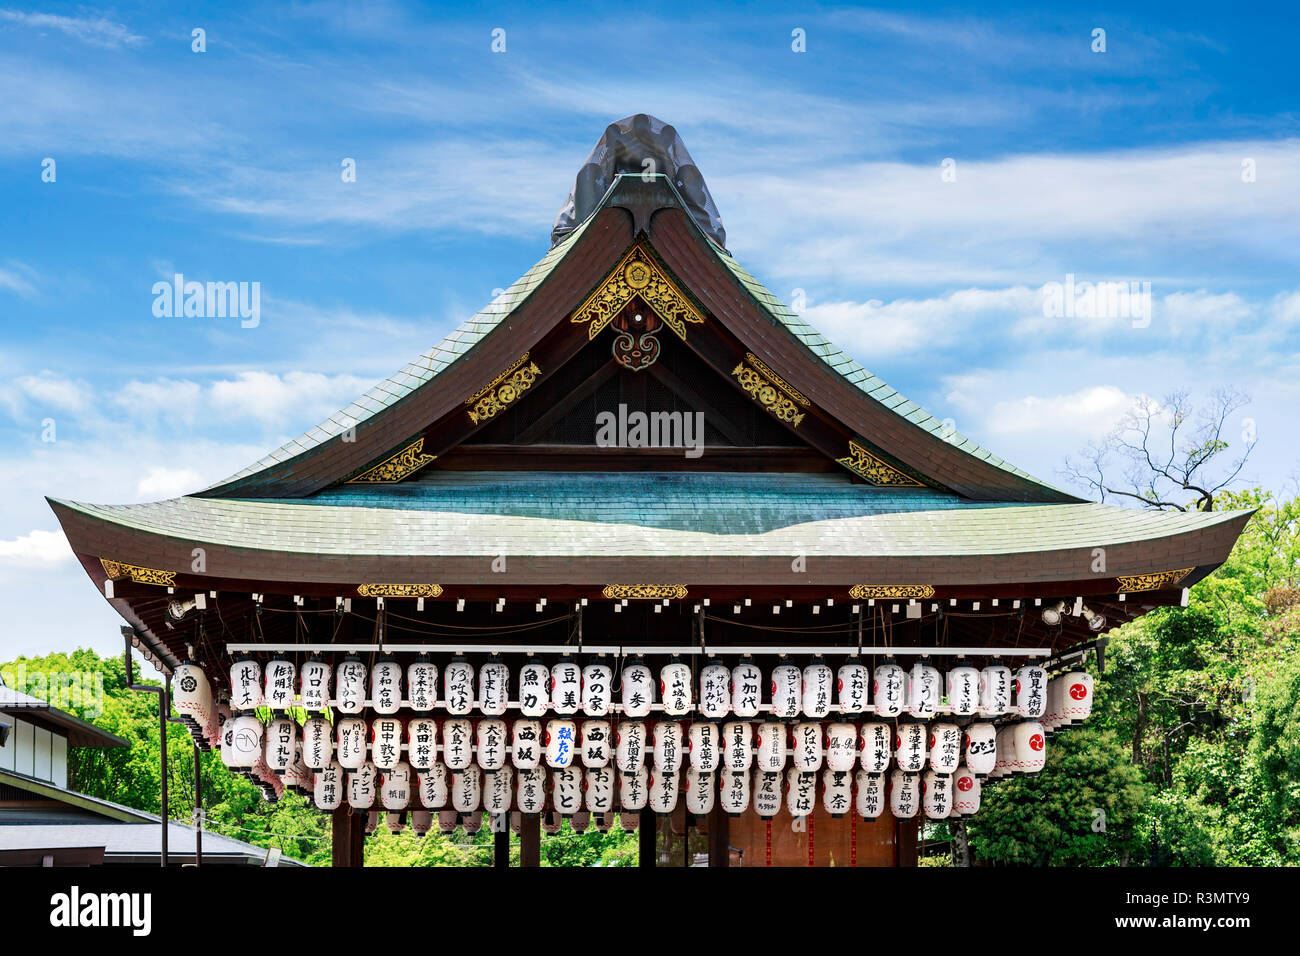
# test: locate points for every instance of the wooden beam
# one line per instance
(719, 836)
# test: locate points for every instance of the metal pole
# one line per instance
(164, 705)
(198, 810)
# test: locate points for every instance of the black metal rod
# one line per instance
(198, 789)
(164, 705)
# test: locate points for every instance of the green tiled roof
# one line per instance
(580, 514)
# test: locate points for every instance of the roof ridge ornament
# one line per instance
(637, 274)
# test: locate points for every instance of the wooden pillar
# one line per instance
(501, 848)
(906, 833)
(530, 840)
(348, 837)
(719, 836)
(647, 844)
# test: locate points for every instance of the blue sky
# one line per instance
(826, 166)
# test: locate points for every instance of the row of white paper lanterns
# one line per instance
(567, 688)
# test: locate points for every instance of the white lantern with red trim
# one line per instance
(851, 683)
(771, 747)
(448, 821)
(351, 738)
(281, 741)
(629, 745)
(245, 685)
(981, 748)
(395, 788)
(837, 792)
(561, 739)
(807, 749)
(875, 745)
(421, 823)
(598, 789)
(889, 689)
(490, 743)
(1031, 691)
(246, 734)
(1053, 718)
(434, 785)
(636, 689)
(704, 743)
(458, 686)
(945, 747)
(227, 729)
(924, 688)
(597, 689)
(317, 742)
(467, 789)
(457, 743)
(733, 792)
(192, 697)
(350, 686)
(421, 742)
(534, 689)
(737, 746)
(909, 747)
(497, 788)
(800, 792)
(633, 788)
(566, 687)
(494, 687)
(963, 684)
(663, 791)
(314, 684)
(594, 743)
(746, 688)
(715, 690)
(675, 688)
(526, 746)
(768, 788)
(904, 794)
(1005, 763)
(786, 688)
(530, 789)
(422, 684)
(280, 678)
(870, 799)
(815, 690)
(936, 795)
(1031, 747)
(385, 742)
(1076, 702)
(965, 791)
(566, 790)
(327, 787)
(666, 746)
(362, 786)
(386, 687)
(841, 746)
(995, 690)
(700, 785)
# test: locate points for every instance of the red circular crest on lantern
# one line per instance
(933, 740)
(1078, 691)
(965, 783)
(898, 741)
(1036, 742)
(875, 688)
(839, 687)
(773, 688)
(1017, 686)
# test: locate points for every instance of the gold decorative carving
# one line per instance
(407, 461)
(1151, 582)
(399, 590)
(860, 592)
(769, 394)
(500, 393)
(786, 387)
(637, 275)
(867, 466)
(651, 592)
(116, 570)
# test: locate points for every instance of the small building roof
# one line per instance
(80, 733)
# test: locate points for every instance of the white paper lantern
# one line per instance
(924, 688)
(395, 787)
(458, 686)
(361, 786)
(534, 689)
(702, 740)
(448, 820)
(889, 688)
(421, 742)
(395, 821)
(870, 800)
(561, 739)
(530, 789)
(841, 746)
(350, 686)
(945, 747)
(1031, 691)
(837, 792)
(981, 748)
(457, 743)
(467, 789)
(385, 742)
(471, 823)
(767, 793)
(637, 689)
(909, 747)
(699, 791)
(278, 690)
(192, 698)
(351, 737)
(663, 791)
(995, 690)
(597, 689)
(281, 741)
(963, 690)
(715, 690)
(1031, 747)
(786, 688)
(594, 742)
(314, 684)
(904, 794)
(666, 746)
(386, 687)
(434, 786)
(598, 789)
(1076, 700)
(317, 742)
(633, 788)
(245, 685)
(526, 744)
(807, 750)
(771, 747)
(800, 792)
(497, 788)
(746, 688)
(1005, 763)
(675, 688)
(494, 688)
(566, 687)
(629, 745)
(490, 743)
(327, 787)
(298, 776)
(816, 690)
(421, 823)
(1052, 718)
(875, 746)
(227, 733)
(566, 790)
(734, 793)
(737, 746)
(851, 683)
(936, 795)
(422, 684)
(246, 734)
(966, 791)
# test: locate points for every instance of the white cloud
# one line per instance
(168, 483)
(43, 548)
(280, 399)
(96, 31)
(18, 278)
(44, 392)
(1089, 412)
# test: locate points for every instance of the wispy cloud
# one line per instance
(97, 31)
